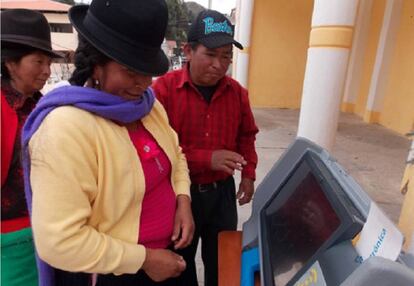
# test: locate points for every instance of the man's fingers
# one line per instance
(237, 158)
(225, 158)
(239, 194)
(227, 169)
(233, 165)
(246, 190)
(244, 200)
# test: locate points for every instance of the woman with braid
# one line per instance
(106, 181)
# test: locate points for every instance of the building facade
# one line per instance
(327, 56)
(378, 82)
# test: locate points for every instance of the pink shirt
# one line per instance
(158, 206)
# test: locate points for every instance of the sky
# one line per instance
(224, 6)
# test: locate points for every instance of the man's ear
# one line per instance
(188, 51)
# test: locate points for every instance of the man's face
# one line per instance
(208, 66)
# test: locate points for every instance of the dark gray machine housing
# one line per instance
(338, 262)
(276, 177)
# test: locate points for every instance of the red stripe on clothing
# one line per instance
(14, 224)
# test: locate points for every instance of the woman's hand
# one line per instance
(183, 224)
(161, 264)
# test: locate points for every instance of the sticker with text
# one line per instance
(379, 237)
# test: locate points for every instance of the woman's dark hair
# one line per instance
(14, 53)
(86, 58)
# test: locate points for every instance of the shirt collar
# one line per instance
(185, 76)
(14, 98)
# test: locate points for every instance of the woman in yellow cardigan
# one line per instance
(106, 181)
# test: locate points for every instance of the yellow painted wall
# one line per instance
(378, 8)
(398, 106)
(405, 222)
(278, 49)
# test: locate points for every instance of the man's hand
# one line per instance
(183, 223)
(161, 264)
(227, 161)
(246, 190)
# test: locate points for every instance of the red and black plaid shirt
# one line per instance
(226, 122)
(13, 202)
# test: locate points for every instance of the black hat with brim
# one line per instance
(114, 29)
(27, 28)
(32, 43)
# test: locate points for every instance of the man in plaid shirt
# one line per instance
(211, 114)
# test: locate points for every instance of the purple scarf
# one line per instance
(103, 104)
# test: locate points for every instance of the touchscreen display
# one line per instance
(298, 225)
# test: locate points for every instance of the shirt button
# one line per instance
(207, 134)
(208, 115)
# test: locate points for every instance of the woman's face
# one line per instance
(119, 80)
(30, 73)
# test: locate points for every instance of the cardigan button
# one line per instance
(146, 148)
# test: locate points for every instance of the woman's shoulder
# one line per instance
(158, 110)
(70, 120)
(70, 113)
(157, 105)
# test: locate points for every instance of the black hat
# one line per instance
(213, 30)
(128, 31)
(28, 28)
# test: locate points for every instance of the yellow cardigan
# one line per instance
(88, 186)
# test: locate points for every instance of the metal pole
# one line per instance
(209, 3)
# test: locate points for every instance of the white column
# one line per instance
(356, 61)
(328, 53)
(244, 14)
(383, 57)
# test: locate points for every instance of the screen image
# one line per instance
(298, 223)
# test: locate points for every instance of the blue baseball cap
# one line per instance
(213, 30)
